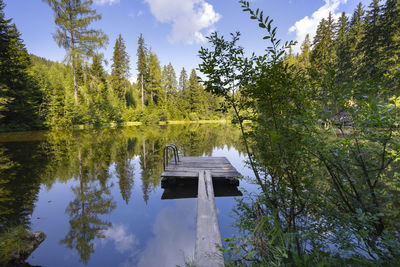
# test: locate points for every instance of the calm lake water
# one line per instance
(96, 194)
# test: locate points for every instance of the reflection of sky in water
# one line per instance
(159, 233)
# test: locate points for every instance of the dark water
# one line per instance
(96, 194)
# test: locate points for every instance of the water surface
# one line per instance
(96, 194)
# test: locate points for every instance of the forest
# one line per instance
(38, 93)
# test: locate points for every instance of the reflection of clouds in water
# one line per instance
(122, 240)
(174, 240)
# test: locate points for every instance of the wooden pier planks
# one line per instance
(188, 167)
(207, 228)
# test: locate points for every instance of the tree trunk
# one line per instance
(75, 85)
(142, 91)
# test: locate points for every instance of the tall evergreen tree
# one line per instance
(304, 57)
(169, 81)
(343, 60)
(142, 67)
(194, 94)
(19, 93)
(390, 30)
(356, 34)
(372, 41)
(183, 80)
(120, 68)
(323, 53)
(323, 59)
(73, 18)
(154, 92)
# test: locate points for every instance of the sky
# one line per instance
(176, 29)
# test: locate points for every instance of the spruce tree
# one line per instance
(142, 68)
(19, 93)
(356, 34)
(120, 68)
(390, 31)
(154, 92)
(98, 77)
(343, 60)
(372, 41)
(169, 81)
(183, 80)
(73, 18)
(323, 59)
(304, 57)
(194, 95)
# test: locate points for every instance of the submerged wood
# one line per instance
(208, 236)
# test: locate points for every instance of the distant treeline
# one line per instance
(39, 93)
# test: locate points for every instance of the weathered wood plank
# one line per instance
(225, 174)
(207, 229)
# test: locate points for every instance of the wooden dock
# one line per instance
(206, 173)
(208, 237)
(187, 170)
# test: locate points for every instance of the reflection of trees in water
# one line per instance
(92, 199)
(87, 157)
(21, 165)
(120, 146)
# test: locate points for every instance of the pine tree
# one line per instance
(142, 67)
(343, 61)
(19, 93)
(154, 93)
(120, 68)
(356, 34)
(73, 18)
(169, 81)
(194, 95)
(304, 57)
(372, 41)
(323, 53)
(390, 31)
(323, 59)
(183, 80)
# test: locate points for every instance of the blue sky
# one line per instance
(175, 29)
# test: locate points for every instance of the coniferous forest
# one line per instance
(39, 93)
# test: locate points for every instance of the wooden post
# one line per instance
(207, 229)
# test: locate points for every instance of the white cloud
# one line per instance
(123, 241)
(174, 237)
(103, 2)
(189, 18)
(309, 25)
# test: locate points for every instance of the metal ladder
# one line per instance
(165, 154)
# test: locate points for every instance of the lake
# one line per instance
(96, 193)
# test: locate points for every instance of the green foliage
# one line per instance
(20, 97)
(73, 19)
(12, 243)
(154, 93)
(120, 69)
(323, 197)
(142, 68)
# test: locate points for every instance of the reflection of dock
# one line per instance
(213, 176)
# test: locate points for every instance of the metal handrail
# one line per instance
(165, 154)
(176, 150)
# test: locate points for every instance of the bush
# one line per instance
(193, 116)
